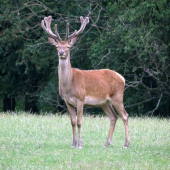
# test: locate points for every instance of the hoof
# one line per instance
(73, 146)
(80, 147)
(107, 144)
(125, 147)
(126, 144)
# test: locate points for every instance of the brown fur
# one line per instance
(91, 88)
(79, 88)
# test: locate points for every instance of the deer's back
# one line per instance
(97, 83)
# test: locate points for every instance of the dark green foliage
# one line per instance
(131, 37)
(137, 46)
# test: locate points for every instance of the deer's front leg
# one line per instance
(72, 113)
(79, 122)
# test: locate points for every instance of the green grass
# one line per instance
(43, 142)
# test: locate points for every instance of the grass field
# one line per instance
(43, 142)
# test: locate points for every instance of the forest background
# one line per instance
(130, 37)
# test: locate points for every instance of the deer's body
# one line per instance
(92, 88)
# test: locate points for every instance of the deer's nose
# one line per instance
(61, 52)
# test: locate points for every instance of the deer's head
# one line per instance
(63, 47)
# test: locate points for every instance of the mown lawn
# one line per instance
(43, 142)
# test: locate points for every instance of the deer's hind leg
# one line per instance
(117, 102)
(113, 118)
(79, 122)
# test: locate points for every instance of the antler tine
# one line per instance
(72, 35)
(47, 28)
(83, 25)
(56, 32)
(67, 31)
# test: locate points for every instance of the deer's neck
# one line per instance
(65, 72)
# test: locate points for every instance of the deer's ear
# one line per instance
(52, 41)
(72, 41)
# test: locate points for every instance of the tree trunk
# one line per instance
(31, 104)
(6, 104)
(13, 103)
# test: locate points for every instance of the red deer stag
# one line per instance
(101, 88)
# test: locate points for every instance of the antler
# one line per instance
(83, 25)
(47, 28)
